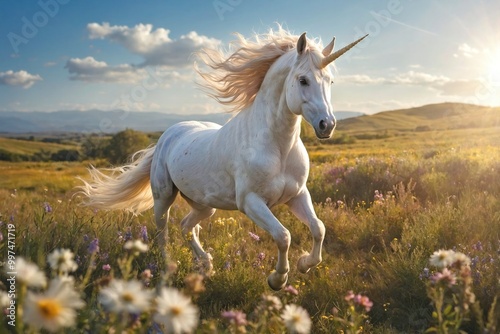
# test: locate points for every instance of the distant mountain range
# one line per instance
(97, 121)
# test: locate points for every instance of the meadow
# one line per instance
(389, 200)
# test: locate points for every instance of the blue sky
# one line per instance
(136, 55)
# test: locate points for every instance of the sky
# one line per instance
(138, 55)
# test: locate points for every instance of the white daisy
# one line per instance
(61, 260)
(176, 312)
(29, 274)
(125, 296)
(296, 319)
(136, 246)
(54, 309)
(442, 258)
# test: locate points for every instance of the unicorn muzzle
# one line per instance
(324, 128)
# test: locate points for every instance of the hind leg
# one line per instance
(162, 205)
(191, 231)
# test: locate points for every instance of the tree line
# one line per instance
(116, 149)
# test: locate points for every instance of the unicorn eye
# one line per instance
(303, 81)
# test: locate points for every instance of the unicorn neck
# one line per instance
(270, 108)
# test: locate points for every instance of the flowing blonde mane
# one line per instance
(234, 80)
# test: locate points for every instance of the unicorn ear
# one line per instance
(301, 44)
(329, 48)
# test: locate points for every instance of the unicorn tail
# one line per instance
(127, 188)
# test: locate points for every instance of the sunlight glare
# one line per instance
(494, 68)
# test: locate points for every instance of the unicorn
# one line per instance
(253, 162)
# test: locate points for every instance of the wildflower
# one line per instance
(128, 235)
(291, 290)
(349, 296)
(424, 273)
(446, 277)
(296, 319)
(122, 296)
(442, 258)
(29, 274)
(254, 236)
(235, 317)
(364, 301)
(175, 311)
(62, 260)
(460, 260)
(271, 302)
(94, 246)
(378, 197)
(54, 309)
(261, 256)
(106, 267)
(478, 246)
(194, 283)
(136, 246)
(47, 207)
(144, 233)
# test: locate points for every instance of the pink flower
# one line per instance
(254, 236)
(446, 277)
(235, 317)
(106, 267)
(291, 290)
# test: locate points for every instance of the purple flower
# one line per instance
(254, 236)
(47, 207)
(261, 256)
(478, 246)
(235, 317)
(128, 235)
(106, 267)
(94, 246)
(144, 233)
(424, 274)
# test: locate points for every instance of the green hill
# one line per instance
(442, 116)
(19, 150)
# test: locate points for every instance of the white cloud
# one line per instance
(468, 51)
(91, 70)
(20, 78)
(50, 64)
(155, 46)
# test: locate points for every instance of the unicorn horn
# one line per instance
(327, 60)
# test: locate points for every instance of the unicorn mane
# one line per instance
(234, 80)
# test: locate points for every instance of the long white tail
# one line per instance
(127, 188)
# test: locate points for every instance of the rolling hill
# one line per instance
(442, 116)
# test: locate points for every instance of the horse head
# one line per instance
(308, 85)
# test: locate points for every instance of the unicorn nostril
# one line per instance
(323, 125)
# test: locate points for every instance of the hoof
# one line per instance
(302, 265)
(277, 281)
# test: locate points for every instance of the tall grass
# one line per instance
(385, 215)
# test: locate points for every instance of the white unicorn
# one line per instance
(253, 162)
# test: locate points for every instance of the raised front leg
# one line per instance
(301, 206)
(256, 209)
